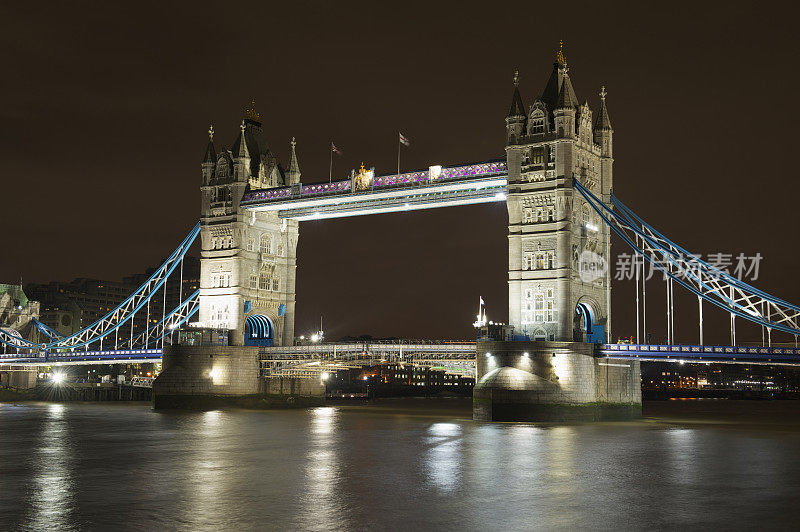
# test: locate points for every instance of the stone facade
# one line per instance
(213, 376)
(539, 381)
(249, 259)
(553, 234)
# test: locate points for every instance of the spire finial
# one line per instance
(211, 133)
(516, 78)
(250, 112)
(242, 127)
(603, 94)
(565, 69)
(560, 55)
(293, 143)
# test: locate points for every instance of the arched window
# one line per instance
(266, 244)
(536, 122)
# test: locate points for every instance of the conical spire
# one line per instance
(603, 122)
(566, 94)
(242, 152)
(517, 108)
(211, 154)
(294, 168)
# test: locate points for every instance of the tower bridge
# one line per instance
(556, 180)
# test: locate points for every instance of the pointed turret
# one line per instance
(210, 159)
(293, 174)
(515, 121)
(241, 167)
(564, 113)
(603, 132)
(517, 107)
(603, 123)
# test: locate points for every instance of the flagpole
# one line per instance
(398, 155)
(330, 169)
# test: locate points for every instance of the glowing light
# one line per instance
(324, 376)
(214, 374)
(525, 354)
(58, 378)
(591, 227)
(315, 337)
(500, 196)
(365, 377)
(488, 355)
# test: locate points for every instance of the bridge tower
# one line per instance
(558, 248)
(249, 258)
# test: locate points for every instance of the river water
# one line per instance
(400, 465)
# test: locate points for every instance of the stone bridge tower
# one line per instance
(248, 259)
(558, 248)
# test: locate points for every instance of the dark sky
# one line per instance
(105, 111)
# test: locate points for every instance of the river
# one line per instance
(399, 465)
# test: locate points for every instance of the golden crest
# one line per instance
(363, 179)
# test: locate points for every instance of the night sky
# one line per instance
(105, 112)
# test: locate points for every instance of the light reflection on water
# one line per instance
(99, 466)
(51, 498)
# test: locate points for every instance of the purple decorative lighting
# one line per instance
(386, 181)
(325, 188)
(268, 194)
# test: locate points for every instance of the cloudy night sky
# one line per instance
(105, 112)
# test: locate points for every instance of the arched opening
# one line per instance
(258, 330)
(587, 328)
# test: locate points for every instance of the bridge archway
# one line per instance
(259, 330)
(587, 326)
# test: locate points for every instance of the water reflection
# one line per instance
(52, 497)
(323, 471)
(208, 469)
(443, 457)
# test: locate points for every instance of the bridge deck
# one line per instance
(424, 189)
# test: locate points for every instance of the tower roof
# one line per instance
(240, 147)
(517, 107)
(294, 168)
(603, 122)
(211, 154)
(566, 94)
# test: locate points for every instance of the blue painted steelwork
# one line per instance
(118, 316)
(707, 282)
(121, 356)
(701, 353)
(47, 331)
(258, 330)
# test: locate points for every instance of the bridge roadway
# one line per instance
(424, 189)
(452, 357)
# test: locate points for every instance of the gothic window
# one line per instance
(250, 244)
(552, 153)
(550, 214)
(527, 216)
(548, 311)
(537, 156)
(264, 281)
(276, 284)
(266, 244)
(537, 122)
(280, 249)
(527, 261)
(254, 281)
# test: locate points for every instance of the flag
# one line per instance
(334, 149)
(482, 303)
(404, 141)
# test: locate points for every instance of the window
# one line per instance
(537, 154)
(266, 244)
(537, 122)
(528, 216)
(264, 281)
(254, 281)
(550, 214)
(528, 294)
(276, 284)
(280, 249)
(250, 244)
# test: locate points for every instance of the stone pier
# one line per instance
(204, 377)
(553, 381)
